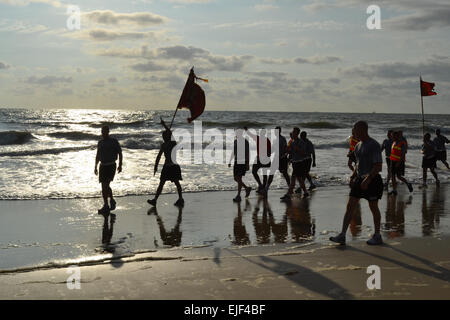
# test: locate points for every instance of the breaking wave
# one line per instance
(15, 137)
(26, 153)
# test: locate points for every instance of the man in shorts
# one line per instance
(311, 158)
(241, 156)
(441, 152)
(263, 152)
(298, 157)
(283, 156)
(429, 159)
(365, 182)
(398, 159)
(108, 149)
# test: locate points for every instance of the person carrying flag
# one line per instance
(171, 170)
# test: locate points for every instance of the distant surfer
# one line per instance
(171, 170)
(108, 149)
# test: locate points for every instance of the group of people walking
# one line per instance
(299, 152)
(365, 161)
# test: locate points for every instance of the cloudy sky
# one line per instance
(275, 55)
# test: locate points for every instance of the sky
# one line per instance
(265, 55)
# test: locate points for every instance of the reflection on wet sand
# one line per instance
(395, 215)
(107, 231)
(432, 210)
(241, 236)
(261, 225)
(173, 237)
(302, 226)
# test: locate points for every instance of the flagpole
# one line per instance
(173, 118)
(423, 117)
(421, 100)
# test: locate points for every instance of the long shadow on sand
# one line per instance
(441, 273)
(303, 277)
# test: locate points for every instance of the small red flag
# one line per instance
(426, 88)
(193, 97)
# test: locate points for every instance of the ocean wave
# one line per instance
(15, 137)
(39, 152)
(321, 125)
(74, 135)
(141, 143)
(132, 124)
(237, 124)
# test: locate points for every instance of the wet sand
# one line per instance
(416, 268)
(215, 249)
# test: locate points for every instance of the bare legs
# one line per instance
(106, 192)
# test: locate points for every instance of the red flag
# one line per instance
(193, 97)
(426, 88)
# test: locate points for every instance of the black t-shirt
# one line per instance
(108, 150)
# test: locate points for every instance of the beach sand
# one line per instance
(215, 249)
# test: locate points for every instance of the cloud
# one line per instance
(421, 21)
(315, 60)
(48, 80)
(181, 52)
(189, 1)
(435, 69)
(107, 35)
(188, 55)
(148, 66)
(266, 7)
(8, 25)
(3, 66)
(22, 3)
(426, 14)
(113, 18)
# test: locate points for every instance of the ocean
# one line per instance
(49, 154)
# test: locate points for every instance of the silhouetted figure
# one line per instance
(241, 156)
(171, 170)
(283, 156)
(310, 158)
(441, 152)
(398, 159)
(108, 149)
(263, 151)
(365, 182)
(428, 159)
(387, 147)
(298, 156)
